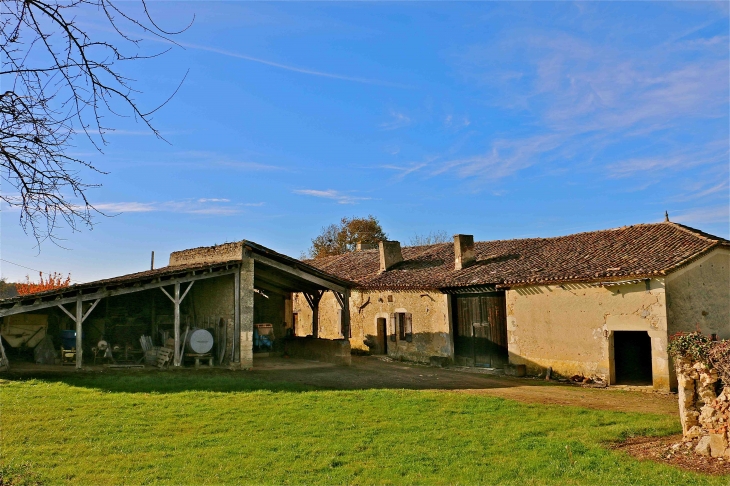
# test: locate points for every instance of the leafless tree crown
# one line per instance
(60, 81)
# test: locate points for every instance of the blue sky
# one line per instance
(501, 120)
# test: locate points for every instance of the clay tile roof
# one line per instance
(638, 251)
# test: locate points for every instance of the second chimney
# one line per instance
(390, 254)
(464, 255)
(365, 246)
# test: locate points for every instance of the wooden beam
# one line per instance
(346, 315)
(176, 361)
(236, 356)
(313, 301)
(90, 309)
(298, 273)
(79, 332)
(168, 295)
(186, 291)
(19, 308)
(338, 296)
(270, 288)
(73, 317)
(285, 282)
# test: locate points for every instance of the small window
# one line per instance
(404, 321)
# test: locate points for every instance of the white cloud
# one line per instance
(212, 206)
(584, 98)
(704, 215)
(331, 194)
(277, 65)
(398, 120)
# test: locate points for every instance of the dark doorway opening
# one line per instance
(382, 336)
(632, 357)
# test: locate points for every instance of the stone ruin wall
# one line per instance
(704, 414)
(208, 254)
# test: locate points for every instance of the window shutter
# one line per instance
(392, 327)
(408, 324)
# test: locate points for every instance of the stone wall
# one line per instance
(431, 322)
(569, 327)
(208, 254)
(704, 414)
(326, 350)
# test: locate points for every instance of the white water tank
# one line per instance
(199, 341)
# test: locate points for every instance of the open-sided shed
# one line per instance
(234, 285)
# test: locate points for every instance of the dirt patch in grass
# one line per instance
(673, 451)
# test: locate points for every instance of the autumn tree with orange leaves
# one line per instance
(52, 281)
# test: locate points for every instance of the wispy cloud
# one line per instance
(404, 170)
(397, 120)
(201, 158)
(584, 98)
(703, 215)
(337, 196)
(457, 122)
(278, 65)
(211, 206)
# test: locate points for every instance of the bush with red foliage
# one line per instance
(52, 281)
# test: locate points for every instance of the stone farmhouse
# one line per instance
(600, 304)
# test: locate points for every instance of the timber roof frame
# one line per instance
(297, 270)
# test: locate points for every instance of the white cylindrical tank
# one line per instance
(199, 341)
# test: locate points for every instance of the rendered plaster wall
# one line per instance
(431, 322)
(698, 296)
(569, 327)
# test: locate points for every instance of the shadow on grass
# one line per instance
(365, 374)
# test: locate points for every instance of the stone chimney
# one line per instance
(464, 255)
(365, 246)
(390, 254)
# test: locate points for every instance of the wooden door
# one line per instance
(480, 329)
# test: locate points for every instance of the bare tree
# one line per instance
(60, 82)
(431, 238)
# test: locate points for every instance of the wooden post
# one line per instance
(346, 315)
(79, 332)
(315, 319)
(176, 303)
(153, 319)
(236, 358)
(313, 301)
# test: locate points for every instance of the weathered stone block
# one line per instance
(718, 444)
(703, 446)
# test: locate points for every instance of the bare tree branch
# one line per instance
(60, 82)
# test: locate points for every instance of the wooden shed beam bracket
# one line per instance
(73, 317)
(90, 309)
(168, 295)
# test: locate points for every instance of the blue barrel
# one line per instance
(68, 339)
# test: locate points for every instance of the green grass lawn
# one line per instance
(226, 428)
